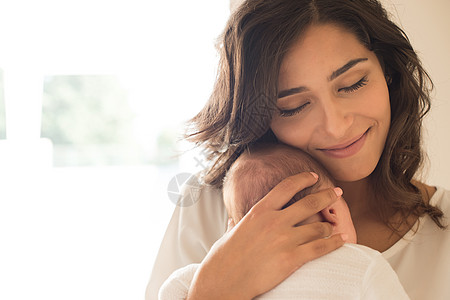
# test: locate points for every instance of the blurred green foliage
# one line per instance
(90, 122)
(85, 110)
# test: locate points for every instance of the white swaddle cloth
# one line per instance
(350, 272)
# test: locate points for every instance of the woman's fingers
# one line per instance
(286, 189)
(310, 232)
(260, 252)
(310, 205)
(316, 249)
(265, 247)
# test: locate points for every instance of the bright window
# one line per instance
(95, 96)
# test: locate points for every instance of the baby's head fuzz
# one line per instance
(260, 169)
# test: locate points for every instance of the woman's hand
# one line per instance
(265, 247)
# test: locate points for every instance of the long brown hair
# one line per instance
(252, 47)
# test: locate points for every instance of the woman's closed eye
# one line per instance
(350, 89)
(362, 82)
(291, 112)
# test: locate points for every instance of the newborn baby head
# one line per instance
(261, 167)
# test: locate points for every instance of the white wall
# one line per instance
(428, 26)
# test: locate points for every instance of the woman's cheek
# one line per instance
(292, 132)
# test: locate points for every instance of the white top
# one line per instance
(422, 261)
(350, 272)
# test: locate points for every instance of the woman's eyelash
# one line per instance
(362, 82)
(291, 112)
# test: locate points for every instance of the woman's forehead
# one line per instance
(326, 46)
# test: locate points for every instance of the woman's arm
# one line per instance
(265, 247)
(189, 236)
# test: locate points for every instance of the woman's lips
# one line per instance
(347, 149)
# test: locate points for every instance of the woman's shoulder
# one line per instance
(441, 199)
(434, 195)
(423, 253)
(192, 194)
(201, 196)
(201, 208)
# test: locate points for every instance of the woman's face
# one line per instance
(334, 102)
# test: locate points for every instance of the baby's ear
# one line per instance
(329, 214)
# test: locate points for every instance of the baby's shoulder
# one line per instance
(358, 252)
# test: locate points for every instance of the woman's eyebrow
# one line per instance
(292, 91)
(345, 68)
(334, 75)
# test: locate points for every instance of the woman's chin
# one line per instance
(351, 174)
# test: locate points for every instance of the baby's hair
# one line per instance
(259, 169)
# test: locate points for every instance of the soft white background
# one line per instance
(93, 234)
(427, 24)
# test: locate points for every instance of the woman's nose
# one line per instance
(337, 118)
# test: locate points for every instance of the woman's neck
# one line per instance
(358, 195)
(370, 229)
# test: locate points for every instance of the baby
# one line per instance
(260, 169)
(350, 272)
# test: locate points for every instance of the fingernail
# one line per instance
(315, 175)
(338, 191)
(344, 237)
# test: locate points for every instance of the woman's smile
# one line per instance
(348, 148)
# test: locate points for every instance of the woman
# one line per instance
(340, 81)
